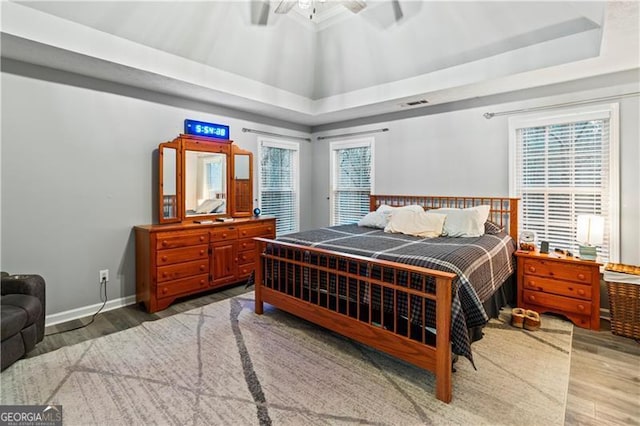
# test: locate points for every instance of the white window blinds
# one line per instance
(351, 180)
(563, 169)
(278, 184)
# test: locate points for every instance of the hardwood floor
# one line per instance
(604, 383)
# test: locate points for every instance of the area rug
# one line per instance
(223, 364)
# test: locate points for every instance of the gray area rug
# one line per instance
(222, 364)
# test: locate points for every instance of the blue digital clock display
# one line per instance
(200, 128)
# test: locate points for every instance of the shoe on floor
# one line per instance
(517, 317)
(531, 320)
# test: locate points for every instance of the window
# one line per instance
(351, 180)
(278, 183)
(565, 165)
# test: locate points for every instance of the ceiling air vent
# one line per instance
(414, 103)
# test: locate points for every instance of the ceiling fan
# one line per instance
(284, 6)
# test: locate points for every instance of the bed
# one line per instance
(413, 298)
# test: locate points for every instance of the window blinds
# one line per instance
(351, 181)
(563, 170)
(278, 184)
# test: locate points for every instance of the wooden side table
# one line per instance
(560, 284)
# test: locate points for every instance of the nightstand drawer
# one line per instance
(557, 270)
(561, 303)
(246, 257)
(562, 288)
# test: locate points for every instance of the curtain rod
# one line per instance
(261, 132)
(489, 115)
(366, 132)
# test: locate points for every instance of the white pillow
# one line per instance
(388, 209)
(380, 217)
(467, 222)
(374, 220)
(416, 223)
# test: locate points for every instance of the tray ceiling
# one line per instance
(390, 46)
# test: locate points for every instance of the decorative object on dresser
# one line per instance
(527, 240)
(205, 239)
(560, 284)
(589, 233)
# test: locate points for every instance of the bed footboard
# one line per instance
(399, 309)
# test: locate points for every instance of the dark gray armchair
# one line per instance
(23, 311)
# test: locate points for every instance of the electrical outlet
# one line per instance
(104, 275)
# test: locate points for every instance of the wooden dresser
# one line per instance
(182, 259)
(560, 284)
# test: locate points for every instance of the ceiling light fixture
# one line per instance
(285, 6)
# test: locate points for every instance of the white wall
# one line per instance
(462, 153)
(79, 171)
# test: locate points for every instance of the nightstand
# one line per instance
(560, 284)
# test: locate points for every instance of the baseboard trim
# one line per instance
(84, 311)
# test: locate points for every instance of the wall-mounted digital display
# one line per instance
(200, 128)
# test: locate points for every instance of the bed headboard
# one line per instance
(503, 212)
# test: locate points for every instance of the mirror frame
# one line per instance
(171, 145)
(241, 189)
(185, 143)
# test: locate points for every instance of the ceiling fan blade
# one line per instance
(259, 12)
(354, 5)
(285, 6)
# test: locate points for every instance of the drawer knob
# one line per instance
(201, 237)
(581, 292)
(164, 258)
(164, 290)
(244, 233)
(164, 274)
(581, 307)
(201, 252)
(269, 229)
(165, 243)
(581, 276)
(244, 245)
(532, 298)
(532, 268)
(244, 257)
(202, 267)
(201, 282)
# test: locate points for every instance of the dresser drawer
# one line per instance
(247, 244)
(182, 270)
(245, 270)
(562, 288)
(172, 288)
(257, 231)
(224, 234)
(246, 257)
(542, 268)
(168, 257)
(180, 239)
(560, 303)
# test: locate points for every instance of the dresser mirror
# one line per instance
(169, 183)
(202, 178)
(242, 183)
(205, 183)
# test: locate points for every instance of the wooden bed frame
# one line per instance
(386, 336)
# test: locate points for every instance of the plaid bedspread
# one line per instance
(481, 265)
